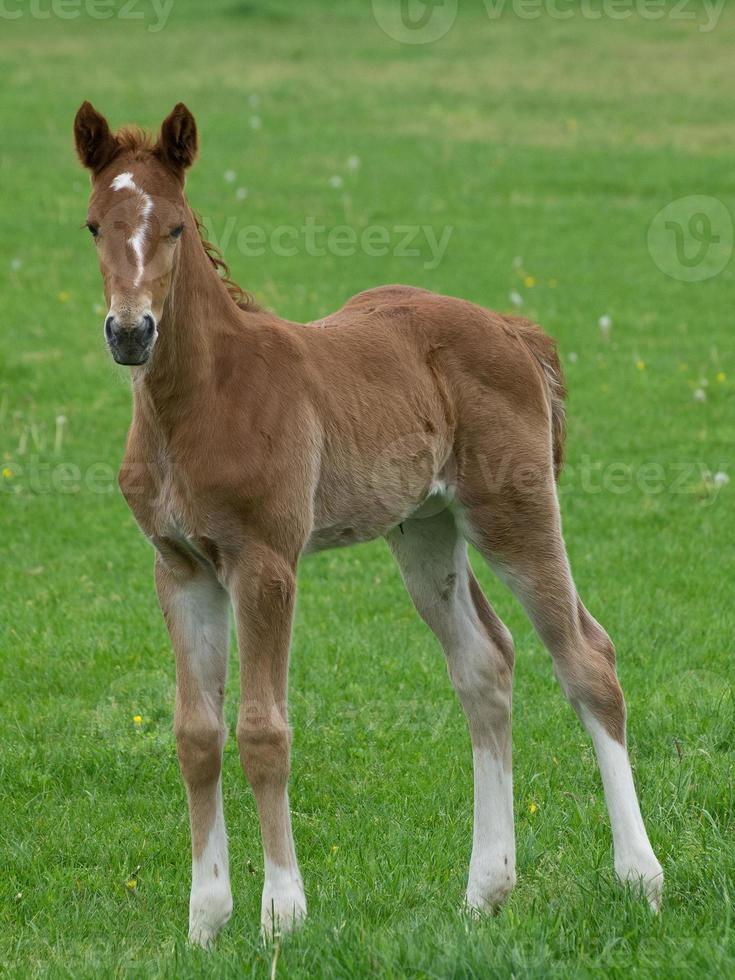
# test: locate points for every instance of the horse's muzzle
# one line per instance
(130, 345)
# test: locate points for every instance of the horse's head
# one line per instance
(137, 215)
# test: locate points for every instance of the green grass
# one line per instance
(553, 141)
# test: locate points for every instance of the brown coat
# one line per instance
(417, 417)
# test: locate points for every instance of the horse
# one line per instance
(419, 418)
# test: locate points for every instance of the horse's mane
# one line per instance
(132, 139)
(242, 298)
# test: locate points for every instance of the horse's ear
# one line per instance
(177, 145)
(95, 143)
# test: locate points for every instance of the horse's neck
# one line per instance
(198, 309)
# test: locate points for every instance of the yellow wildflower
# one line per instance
(532, 808)
(64, 296)
(138, 719)
(7, 473)
(529, 281)
(640, 364)
(721, 376)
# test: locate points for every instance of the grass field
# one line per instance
(544, 149)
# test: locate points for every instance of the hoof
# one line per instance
(646, 876)
(282, 913)
(486, 893)
(207, 914)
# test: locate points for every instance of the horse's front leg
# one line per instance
(264, 592)
(195, 608)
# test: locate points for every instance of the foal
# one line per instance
(416, 417)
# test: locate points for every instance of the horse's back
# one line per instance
(476, 350)
(399, 303)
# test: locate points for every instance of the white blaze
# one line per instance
(137, 239)
(123, 180)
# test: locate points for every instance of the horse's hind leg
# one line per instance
(520, 535)
(432, 556)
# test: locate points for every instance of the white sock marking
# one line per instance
(634, 857)
(283, 904)
(210, 905)
(492, 866)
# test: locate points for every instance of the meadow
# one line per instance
(523, 163)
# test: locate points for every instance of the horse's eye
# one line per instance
(176, 232)
(94, 229)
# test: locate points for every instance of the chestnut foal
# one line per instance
(416, 417)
